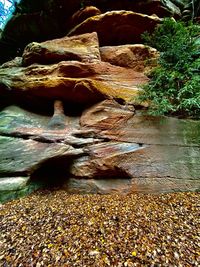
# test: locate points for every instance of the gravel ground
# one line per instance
(58, 229)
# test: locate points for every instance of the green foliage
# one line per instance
(175, 84)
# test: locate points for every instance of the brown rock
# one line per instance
(117, 27)
(138, 57)
(83, 14)
(109, 111)
(164, 131)
(118, 153)
(72, 82)
(22, 157)
(155, 154)
(83, 48)
(51, 19)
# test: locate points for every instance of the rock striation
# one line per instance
(108, 149)
(77, 75)
(70, 116)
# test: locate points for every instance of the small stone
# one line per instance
(94, 253)
(176, 255)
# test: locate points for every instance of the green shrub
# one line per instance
(174, 87)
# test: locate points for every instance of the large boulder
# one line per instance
(139, 57)
(84, 48)
(117, 27)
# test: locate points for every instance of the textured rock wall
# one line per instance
(70, 115)
(47, 19)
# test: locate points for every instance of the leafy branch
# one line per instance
(174, 85)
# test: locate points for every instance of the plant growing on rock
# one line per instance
(175, 84)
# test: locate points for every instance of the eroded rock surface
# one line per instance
(138, 57)
(84, 48)
(92, 138)
(72, 81)
(118, 27)
(109, 143)
(49, 19)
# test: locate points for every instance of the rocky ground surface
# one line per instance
(57, 229)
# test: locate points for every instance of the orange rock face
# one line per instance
(117, 27)
(83, 48)
(139, 57)
(74, 82)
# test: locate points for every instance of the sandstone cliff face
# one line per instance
(91, 135)
(47, 19)
(77, 76)
(118, 27)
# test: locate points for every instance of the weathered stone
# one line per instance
(117, 27)
(52, 19)
(164, 131)
(16, 62)
(109, 111)
(173, 7)
(152, 168)
(16, 183)
(83, 14)
(126, 186)
(16, 122)
(72, 82)
(161, 155)
(58, 121)
(14, 117)
(15, 187)
(106, 148)
(104, 161)
(144, 154)
(26, 142)
(22, 157)
(138, 57)
(84, 48)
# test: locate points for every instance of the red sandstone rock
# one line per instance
(138, 57)
(117, 27)
(84, 48)
(109, 111)
(72, 82)
(128, 154)
(153, 152)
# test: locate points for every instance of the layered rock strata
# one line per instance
(92, 138)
